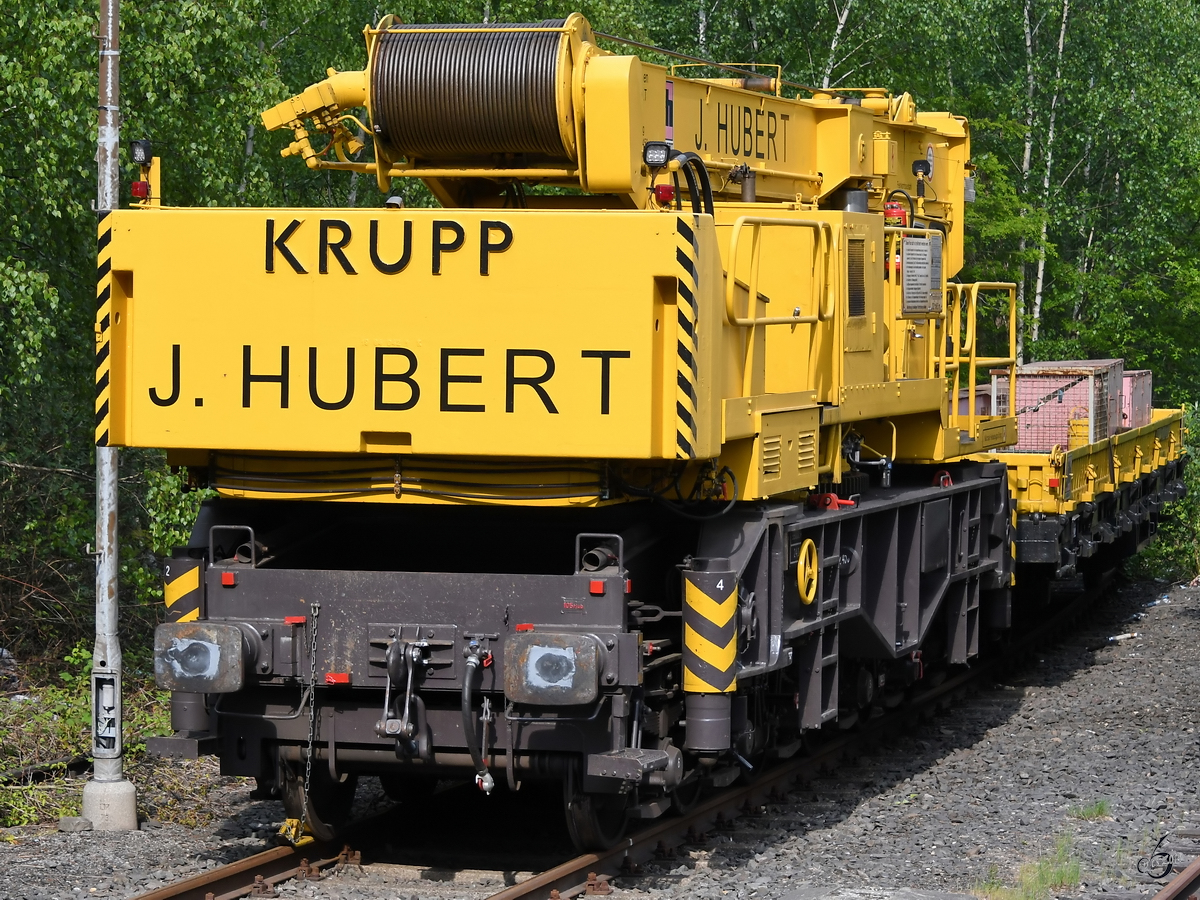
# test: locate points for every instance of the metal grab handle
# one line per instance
(968, 344)
(824, 240)
(973, 290)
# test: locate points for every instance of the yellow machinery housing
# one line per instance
(575, 321)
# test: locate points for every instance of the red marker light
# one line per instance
(664, 193)
(596, 586)
(228, 579)
(140, 190)
(1053, 482)
(337, 677)
(294, 620)
(525, 626)
(629, 585)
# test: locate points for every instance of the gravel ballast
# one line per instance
(962, 799)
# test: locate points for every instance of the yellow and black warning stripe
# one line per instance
(686, 253)
(182, 592)
(710, 632)
(103, 326)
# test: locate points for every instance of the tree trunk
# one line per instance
(1041, 265)
(842, 16)
(250, 131)
(1085, 266)
(249, 154)
(1026, 161)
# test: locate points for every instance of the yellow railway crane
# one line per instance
(602, 320)
(659, 439)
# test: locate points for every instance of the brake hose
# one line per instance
(483, 778)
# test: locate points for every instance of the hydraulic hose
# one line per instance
(697, 164)
(693, 187)
(699, 184)
(483, 778)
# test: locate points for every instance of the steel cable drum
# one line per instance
(472, 90)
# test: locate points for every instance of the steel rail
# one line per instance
(248, 876)
(1183, 885)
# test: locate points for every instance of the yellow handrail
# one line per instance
(824, 239)
(968, 347)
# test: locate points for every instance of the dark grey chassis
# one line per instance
(911, 577)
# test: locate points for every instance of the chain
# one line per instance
(312, 710)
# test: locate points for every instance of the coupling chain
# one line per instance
(312, 710)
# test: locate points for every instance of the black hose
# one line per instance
(483, 778)
(702, 175)
(706, 185)
(693, 188)
(679, 511)
(699, 184)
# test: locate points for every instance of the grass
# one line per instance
(48, 725)
(1091, 812)
(1038, 879)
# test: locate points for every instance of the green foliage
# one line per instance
(1090, 812)
(1037, 880)
(48, 727)
(28, 308)
(1175, 554)
(79, 665)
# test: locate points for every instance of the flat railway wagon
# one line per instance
(640, 458)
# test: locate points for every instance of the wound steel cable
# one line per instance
(469, 92)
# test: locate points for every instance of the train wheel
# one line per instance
(685, 797)
(594, 821)
(403, 788)
(329, 801)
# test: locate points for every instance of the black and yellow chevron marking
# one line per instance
(182, 590)
(103, 327)
(686, 253)
(709, 632)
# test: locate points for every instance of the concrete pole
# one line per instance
(109, 801)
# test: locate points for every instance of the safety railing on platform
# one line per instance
(963, 315)
(950, 313)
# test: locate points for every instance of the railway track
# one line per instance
(591, 873)
(1184, 885)
(257, 875)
